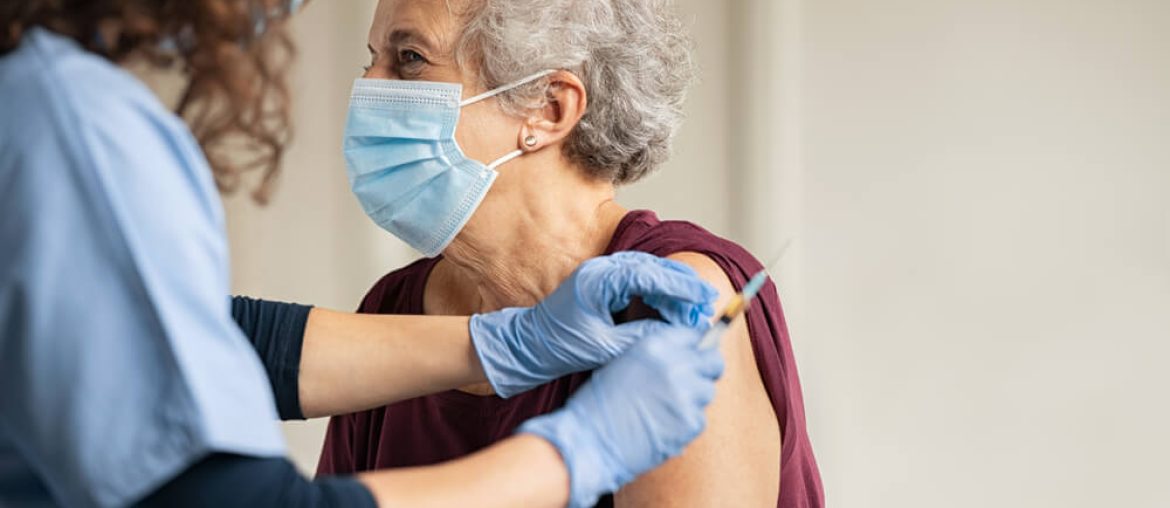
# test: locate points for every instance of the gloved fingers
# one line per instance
(680, 312)
(709, 363)
(629, 333)
(659, 281)
(704, 393)
(686, 336)
(696, 424)
(678, 341)
(658, 339)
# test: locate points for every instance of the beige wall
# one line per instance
(987, 259)
(979, 288)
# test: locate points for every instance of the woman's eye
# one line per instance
(407, 56)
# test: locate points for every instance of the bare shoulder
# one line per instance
(736, 461)
(709, 271)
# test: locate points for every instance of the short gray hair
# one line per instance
(634, 57)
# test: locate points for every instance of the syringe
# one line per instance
(739, 303)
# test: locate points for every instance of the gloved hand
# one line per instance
(573, 329)
(634, 413)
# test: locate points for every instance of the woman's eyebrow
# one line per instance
(402, 35)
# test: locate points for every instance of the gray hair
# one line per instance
(634, 57)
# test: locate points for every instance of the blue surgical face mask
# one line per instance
(405, 167)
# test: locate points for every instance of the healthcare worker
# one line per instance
(128, 377)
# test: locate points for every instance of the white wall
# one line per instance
(979, 288)
(987, 259)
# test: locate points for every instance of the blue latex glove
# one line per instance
(573, 329)
(634, 413)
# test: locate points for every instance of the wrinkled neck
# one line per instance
(531, 232)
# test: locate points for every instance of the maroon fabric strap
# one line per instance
(444, 426)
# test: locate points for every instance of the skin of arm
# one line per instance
(523, 470)
(352, 362)
(736, 461)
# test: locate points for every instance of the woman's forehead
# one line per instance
(436, 21)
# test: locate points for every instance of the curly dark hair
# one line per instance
(236, 102)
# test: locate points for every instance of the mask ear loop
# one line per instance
(505, 159)
(499, 90)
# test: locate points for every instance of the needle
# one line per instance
(739, 303)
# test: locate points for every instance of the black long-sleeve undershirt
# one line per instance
(277, 332)
(235, 481)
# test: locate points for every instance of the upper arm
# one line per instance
(736, 460)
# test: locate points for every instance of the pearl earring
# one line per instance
(530, 141)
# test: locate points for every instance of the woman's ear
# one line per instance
(550, 125)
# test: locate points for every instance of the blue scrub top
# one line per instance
(120, 364)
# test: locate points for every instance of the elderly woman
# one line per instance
(569, 99)
(127, 379)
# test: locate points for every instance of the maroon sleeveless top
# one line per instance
(444, 426)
